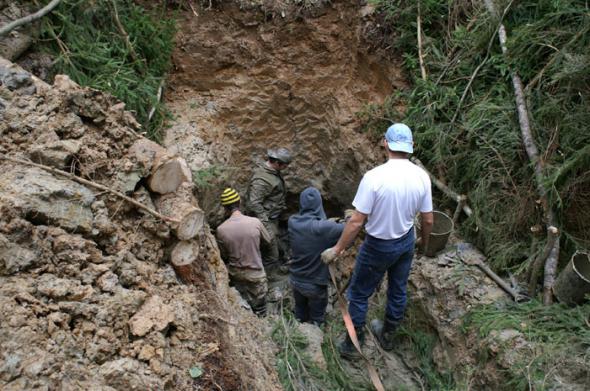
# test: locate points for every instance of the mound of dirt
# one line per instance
(88, 299)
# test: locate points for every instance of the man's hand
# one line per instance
(348, 214)
(329, 256)
(418, 244)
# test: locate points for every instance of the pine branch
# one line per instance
(533, 154)
(125, 35)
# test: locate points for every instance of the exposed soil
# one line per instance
(88, 299)
(247, 80)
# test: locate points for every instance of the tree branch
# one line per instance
(419, 33)
(29, 18)
(460, 199)
(123, 32)
(91, 184)
(533, 154)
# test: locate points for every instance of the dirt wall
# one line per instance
(245, 80)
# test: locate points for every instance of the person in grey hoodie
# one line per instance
(310, 233)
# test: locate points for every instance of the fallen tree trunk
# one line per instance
(533, 154)
(183, 257)
(165, 172)
(181, 205)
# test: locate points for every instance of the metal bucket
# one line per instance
(573, 283)
(441, 230)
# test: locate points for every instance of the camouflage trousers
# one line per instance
(252, 286)
(278, 248)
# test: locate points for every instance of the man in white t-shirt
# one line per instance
(388, 198)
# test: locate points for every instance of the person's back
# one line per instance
(241, 235)
(310, 234)
(239, 241)
(395, 192)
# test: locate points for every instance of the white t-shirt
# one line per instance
(391, 195)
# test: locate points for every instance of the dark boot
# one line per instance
(259, 309)
(384, 331)
(346, 347)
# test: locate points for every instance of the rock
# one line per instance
(14, 258)
(10, 368)
(108, 282)
(64, 83)
(153, 314)
(45, 199)
(146, 353)
(125, 182)
(315, 337)
(14, 79)
(61, 288)
(128, 374)
(57, 154)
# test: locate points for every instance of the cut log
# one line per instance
(168, 174)
(183, 258)
(165, 172)
(182, 207)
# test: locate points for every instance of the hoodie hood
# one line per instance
(310, 203)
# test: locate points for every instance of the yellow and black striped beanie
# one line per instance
(229, 196)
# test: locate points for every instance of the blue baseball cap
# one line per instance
(399, 138)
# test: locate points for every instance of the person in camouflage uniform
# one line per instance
(266, 199)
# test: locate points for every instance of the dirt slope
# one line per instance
(87, 297)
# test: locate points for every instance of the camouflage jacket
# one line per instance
(266, 194)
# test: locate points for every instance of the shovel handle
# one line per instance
(498, 280)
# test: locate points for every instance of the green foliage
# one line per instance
(553, 334)
(464, 115)
(207, 178)
(422, 344)
(91, 49)
(333, 331)
(296, 370)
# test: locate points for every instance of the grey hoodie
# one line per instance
(310, 234)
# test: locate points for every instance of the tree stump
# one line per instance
(165, 172)
(181, 206)
(183, 258)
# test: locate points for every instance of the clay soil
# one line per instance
(248, 78)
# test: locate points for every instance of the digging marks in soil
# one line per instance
(243, 83)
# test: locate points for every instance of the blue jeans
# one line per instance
(311, 301)
(375, 257)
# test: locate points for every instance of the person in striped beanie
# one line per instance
(239, 238)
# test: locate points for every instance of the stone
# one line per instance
(154, 314)
(108, 282)
(14, 79)
(10, 367)
(45, 199)
(315, 337)
(56, 154)
(60, 288)
(14, 258)
(147, 353)
(128, 374)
